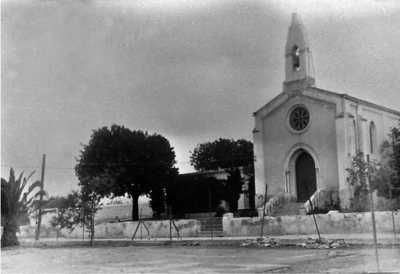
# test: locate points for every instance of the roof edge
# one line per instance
(269, 103)
(358, 100)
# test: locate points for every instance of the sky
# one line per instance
(193, 71)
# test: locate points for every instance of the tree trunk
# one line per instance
(135, 207)
(91, 229)
(9, 236)
(92, 224)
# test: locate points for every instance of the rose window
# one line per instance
(299, 118)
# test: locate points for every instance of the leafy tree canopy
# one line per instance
(118, 160)
(222, 153)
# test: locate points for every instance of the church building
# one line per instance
(305, 137)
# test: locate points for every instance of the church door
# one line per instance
(305, 177)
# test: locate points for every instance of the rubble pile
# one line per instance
(323, 243)
(261, 242)
(306, 243)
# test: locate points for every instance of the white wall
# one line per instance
(279, 139)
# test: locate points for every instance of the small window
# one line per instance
(296, 58)
(372, 137)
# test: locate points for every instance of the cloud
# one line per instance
(190, 70)
(162, 5)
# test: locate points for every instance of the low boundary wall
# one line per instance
(331, 223)
(157, 228)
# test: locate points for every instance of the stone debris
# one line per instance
(323, 243)
(306, 243)
(261, 242)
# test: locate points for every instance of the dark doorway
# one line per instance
(305, 177)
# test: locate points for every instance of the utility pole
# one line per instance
(372, 214)
(39, 221)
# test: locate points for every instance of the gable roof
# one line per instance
(270, 102)
(336, 94)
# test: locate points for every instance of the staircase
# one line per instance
(211, 227)
(322, 201)
(284, 204)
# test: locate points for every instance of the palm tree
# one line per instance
(14, 203)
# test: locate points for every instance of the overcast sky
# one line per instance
(190, 70)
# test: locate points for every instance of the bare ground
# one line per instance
(195, 259)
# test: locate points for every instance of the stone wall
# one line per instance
(158, 229)
(332, 223)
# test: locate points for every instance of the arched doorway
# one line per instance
(305, 176)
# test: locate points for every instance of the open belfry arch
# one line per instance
(298, 58)
(305, 137)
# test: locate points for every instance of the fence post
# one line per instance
(372, 214)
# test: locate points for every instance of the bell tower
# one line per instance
(299, 69)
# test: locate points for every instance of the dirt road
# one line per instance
(164, 259)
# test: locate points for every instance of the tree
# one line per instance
(127, 161)
(89, 204)
(394, 162)
(76, 208)
(68, 213)
(386, 176)
(357, 178)
(382, 177)
(16, 199)
(231, 156)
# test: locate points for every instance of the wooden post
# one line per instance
(312, 213)
(315, 220)
(140, 218)
(372, 215)
(39, 221)
(392, 211)
(392, 204)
